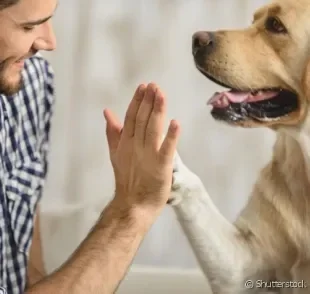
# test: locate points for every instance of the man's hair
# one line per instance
(7, 3)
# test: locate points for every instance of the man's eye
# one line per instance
(274, 25)
(28, 29)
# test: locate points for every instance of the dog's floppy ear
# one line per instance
(306, 81)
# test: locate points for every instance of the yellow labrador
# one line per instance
(266, 68)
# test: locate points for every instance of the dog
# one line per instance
(266, 70)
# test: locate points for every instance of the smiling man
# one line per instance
(141, 160)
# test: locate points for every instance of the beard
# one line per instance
(9, 86)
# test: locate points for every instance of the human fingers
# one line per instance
(154, 129)
(169, 144)
(131, 113)
(143, 114)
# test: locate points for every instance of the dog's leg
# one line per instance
(219, 246)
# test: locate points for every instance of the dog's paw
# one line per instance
(184, 182)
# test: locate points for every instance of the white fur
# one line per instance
(225, 260)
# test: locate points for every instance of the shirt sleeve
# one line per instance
(49, 111)
(46, 116)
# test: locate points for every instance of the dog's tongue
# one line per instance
(223, 99)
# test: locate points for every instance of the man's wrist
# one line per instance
(135, 214)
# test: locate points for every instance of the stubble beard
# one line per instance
(8, 87)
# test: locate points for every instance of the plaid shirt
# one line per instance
(24, 136)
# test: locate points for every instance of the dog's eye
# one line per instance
(274, 25)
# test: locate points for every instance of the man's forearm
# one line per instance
(102, 260)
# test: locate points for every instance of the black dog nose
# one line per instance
(203, 40)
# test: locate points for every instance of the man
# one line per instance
(142, 165)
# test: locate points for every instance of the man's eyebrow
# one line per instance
(39, 21)
(36, 22)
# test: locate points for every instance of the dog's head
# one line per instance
(264, 66)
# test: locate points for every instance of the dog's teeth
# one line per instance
(225, 101)
(222, 102)
(257, 92)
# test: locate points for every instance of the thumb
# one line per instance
(113, 129)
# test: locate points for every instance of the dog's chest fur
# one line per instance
(288, 179)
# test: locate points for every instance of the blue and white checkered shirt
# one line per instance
(24, 135)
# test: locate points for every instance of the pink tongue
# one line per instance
(235, 97)
(223, 98)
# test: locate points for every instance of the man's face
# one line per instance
(25, 28)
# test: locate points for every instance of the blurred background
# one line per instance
(105, 49)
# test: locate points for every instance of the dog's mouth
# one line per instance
(265, 104)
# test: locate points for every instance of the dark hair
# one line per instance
(7, 3)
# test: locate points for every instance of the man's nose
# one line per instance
(203, 40)
(47, 41)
